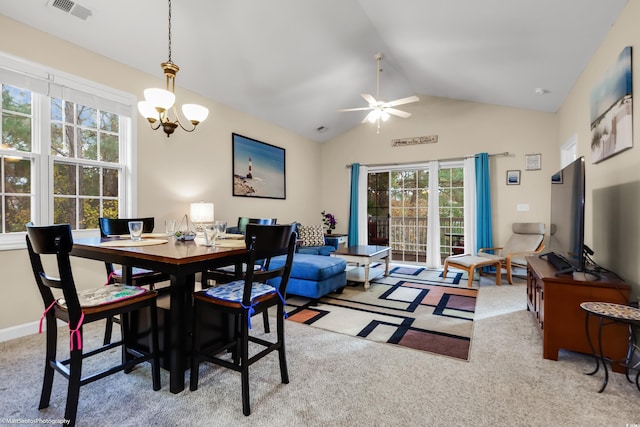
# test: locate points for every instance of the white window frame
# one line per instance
(58, 84)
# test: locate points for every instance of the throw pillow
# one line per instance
(311, 235)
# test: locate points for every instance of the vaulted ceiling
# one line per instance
(295, 62)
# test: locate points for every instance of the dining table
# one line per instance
(181, 260)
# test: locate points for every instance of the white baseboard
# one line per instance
(23, 330)
(18, 331)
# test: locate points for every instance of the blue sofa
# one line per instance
(313, 276)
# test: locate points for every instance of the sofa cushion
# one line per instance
(311, 235)
(311, 267)
(317, 250)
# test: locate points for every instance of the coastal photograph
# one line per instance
(611, 110)
(258, 169)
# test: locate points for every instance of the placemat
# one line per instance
(234, 236)
(126, 242)
(223, 243)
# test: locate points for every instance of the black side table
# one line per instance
(608, 314)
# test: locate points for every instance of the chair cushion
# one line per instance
(311, 235)
(234, 291)
(311, 267)
(528, 227)
(105, 295)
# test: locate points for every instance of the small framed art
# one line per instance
(533, 162)
(513, 177)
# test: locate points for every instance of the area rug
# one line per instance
(413, 307)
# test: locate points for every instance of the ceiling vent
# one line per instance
(71, 7)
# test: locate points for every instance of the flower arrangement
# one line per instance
(329, 220)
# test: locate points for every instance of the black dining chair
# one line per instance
(230, 273)
(140, 276)
(241, 299)
(81, 308)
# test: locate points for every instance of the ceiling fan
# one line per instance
(381, 109)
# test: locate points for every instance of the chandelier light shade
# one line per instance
(159, 102)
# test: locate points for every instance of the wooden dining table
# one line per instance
(181, 260)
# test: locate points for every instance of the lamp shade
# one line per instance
(195, 113)
(160, 98)
(148, 111)
(201, 212)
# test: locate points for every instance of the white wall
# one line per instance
(613, 186)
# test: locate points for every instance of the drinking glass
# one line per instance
(210, 234)
(221, 227)
(135, 230)
(170, 227)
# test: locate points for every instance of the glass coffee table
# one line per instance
(363, 256)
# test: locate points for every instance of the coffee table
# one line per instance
(363, 256)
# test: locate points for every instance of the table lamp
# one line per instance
(201, 213)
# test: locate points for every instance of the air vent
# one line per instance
(73, 8)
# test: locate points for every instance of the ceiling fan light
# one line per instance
(195, 113)
(384, 116)
(160, 98)
(148, 111)
(373, 116)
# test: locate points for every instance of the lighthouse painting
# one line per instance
(258, 169)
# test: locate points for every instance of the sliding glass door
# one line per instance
(398, 205)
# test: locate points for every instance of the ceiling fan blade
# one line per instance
(398, 113)
(354, 109)
(370, 99)
(403, 101)
(366, 119)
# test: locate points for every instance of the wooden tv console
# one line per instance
(555, 303)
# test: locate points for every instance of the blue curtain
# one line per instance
(353, 205)
(484, 229)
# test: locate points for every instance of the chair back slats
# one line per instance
(53, 240)
(263, 243)
(244, 221)
(119, 226)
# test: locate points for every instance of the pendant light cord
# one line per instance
(169, 61)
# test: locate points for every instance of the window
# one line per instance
(65, 153)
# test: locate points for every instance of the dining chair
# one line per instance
(140, 276)
(81, 308)
(230, 273)
(241, 299)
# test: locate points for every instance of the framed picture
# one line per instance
(533, 162)
(513, 177)
(611, 107)
(258, 169)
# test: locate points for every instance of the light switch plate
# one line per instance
(522, 207)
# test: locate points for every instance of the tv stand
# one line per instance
(555, 303)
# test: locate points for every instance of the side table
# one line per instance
(608, 314)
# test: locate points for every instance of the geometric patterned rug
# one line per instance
(413, 307)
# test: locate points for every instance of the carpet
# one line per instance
(413, 307)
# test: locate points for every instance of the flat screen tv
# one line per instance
(566, 234)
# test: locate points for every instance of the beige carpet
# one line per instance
(337, 380)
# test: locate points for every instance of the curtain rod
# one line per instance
(506, 153)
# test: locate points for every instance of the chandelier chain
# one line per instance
(170, 33)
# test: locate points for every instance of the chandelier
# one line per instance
(155, 108)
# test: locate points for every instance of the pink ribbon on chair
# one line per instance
(109, 278)
(76, 332)
(44, 314)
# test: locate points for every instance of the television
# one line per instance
(566, 234)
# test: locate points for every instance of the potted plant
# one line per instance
(329, 221)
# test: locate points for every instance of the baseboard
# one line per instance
(23, 330)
